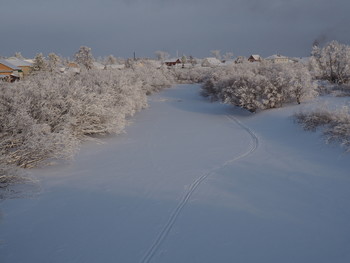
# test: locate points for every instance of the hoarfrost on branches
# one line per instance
(260, 86)
(53, 62)
(19, 55)
(111, 60)
(335, 124)
(84, 57)
(216, 54)
(332, 62)
(161, 55)
(39, 63)
(45, 116)
(227, 56)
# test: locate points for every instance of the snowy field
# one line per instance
(190, 181)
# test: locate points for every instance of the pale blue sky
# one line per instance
(192, 27)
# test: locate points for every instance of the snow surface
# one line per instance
(190, 181)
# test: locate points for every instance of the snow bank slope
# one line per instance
(191, 181)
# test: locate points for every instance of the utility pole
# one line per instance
(134, 55)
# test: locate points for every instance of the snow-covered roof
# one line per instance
(8, 64)
(276, 57)
(229, 62)
(256, 57)
(19, 62)
(31, 61)
(172, 60)
(98, 65)
(212, 61)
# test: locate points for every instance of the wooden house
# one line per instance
(9, 71)
(278, 59)
(211, 62)
(73, 67)
(254, 58)
(25, 66)
(172, 63)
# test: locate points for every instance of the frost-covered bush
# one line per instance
(335, 124)
(152, 78)
(332, 62)
(243, 90)
(40, 63)
(191, 74)
(28, 134)
(258, 86)
(209, 90)
(301, 86)
(311, 121)
(84, 57)
(45, 116)
(216, 79)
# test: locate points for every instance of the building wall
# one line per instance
(4, 70)
(26, 70)
(281, 60)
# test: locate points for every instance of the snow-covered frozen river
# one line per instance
(190, 181)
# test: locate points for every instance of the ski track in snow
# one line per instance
(192, 188)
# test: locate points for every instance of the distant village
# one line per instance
(16, 68)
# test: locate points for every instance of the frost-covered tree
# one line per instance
(192, 60)
(84, 57)
(53, 62)
(190, 75)
(161, 55)
(111, 60)
(335, 124)
(332, 62)
(244, 90)
(183, 60)
(19, 55)
(47, 115)
(216, 54)
(260, 86)
(301, 86)
(129, 63)
(228, 56)
(40, 63)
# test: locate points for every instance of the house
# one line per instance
(72, 67)
(211, 62)
(25, 66)
(254, 58)
(98, 65)
(172, 62)
(9, 71)
(278, 59)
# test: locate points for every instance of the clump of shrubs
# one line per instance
(331, 62)
(46, 116)
(335, 125)
(192, 74)
(260, 86)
